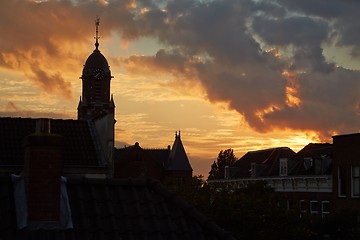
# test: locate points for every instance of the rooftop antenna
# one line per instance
(97, 23)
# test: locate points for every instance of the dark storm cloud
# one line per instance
(217, 29)
(343, 15)
(295, 30)
(305, 35)
(331, 104)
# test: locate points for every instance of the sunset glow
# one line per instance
(228, 74)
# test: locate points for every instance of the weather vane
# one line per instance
(97, 23)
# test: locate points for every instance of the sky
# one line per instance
(240, 74)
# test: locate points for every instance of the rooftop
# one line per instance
(78, 146)
(116, 209)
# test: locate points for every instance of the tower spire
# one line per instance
(97, 23)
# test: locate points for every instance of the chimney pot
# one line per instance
(42, 173)
(43, 125)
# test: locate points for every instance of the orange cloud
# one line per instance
(51, 83)
(44, 40)
(292, 99)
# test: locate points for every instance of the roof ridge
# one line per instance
(268, 149)
(155, 148)
(35, 118)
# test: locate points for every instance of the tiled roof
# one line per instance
(274, 166)
(116, 209)
(137, 153)
(321, 158)
(162, 155)
(78, 148)
(268, 159)
(133, 161)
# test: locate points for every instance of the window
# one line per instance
(226, 173)
(283, 167)
(341, 182)
(314, 207)
(355, 181)
(253, 169)
(180, 180)
(325, 209)
(303, 208)
(308, 163)
(290, 205)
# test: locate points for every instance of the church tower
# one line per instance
(96, 105)
(96, 100)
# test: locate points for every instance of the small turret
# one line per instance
(178, 170)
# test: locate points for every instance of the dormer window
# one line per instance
(283, 171)
(226, 173)
(253, 170)
(308, 163)
(355, 181)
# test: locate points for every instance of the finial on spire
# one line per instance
(97, 23)
(177, 135)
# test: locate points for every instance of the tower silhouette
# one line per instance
(96, 105)
(96, 100)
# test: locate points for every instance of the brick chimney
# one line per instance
(42, 173)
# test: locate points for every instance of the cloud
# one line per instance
(51, 83)
(11, 109)
(234, 41)
(342, 15)
(304, 34)
(46, 39)
(263, 59)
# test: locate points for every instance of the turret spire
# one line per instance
(177, 135)
(97, 23)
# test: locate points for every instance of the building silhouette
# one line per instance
(320, 180)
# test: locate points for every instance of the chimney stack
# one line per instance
(42, 173)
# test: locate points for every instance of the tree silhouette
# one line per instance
(225, 158)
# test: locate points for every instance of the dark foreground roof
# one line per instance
(79, 137)
(116, 209)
